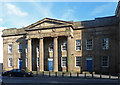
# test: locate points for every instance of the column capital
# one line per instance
(54, 36)
(40, 37)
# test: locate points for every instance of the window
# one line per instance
(105, 61)
(77, 61)
(20, 48)
(51, 47)
(64, 46)
(64, 61)
(9, 48)
(78, 44)
(9, 62)
(37, 49)
(89, 44)
(26, 46)
(37, 61)
(105, 43)
(26, 62)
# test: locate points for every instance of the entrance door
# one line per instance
(19, 64)
(50, 64)
(89, 64)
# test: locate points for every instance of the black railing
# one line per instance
(77, 75)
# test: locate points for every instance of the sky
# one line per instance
(20, 14)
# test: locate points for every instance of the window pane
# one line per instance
(89, 44)
(38, 62)
(20, 48)
(64, 46)
(105, 61)
(10, 62)
(64, 61)
(105, 43)
(9, 48)
(78, 61)
(78, 44)
(51, 47)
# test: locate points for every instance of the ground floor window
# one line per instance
(105, 61)
(37, 61)
(64, 61)
(51, 47)
(77, 61)
(9, 62)
(26, 62)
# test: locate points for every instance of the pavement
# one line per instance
(56, 81)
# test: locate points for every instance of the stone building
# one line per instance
(68, 46)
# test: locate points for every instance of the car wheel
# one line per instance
(24, 75)
(10, 75)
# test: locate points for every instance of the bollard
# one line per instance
(70, 74)
(49, 73)
(85, 75)
(92, 75)
(55, 74)
(43, 73)
(62, 74)
(109, 75)
(100, 75)
(77, 75)
(36, 73)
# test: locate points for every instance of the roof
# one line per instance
(97, 22)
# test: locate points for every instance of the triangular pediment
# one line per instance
(48, 22)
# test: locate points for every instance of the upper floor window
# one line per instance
(64, 61)
(64, 46)
(9, 62)
(26, 61)
(77, 61)
(26, 48)
(9, 48)
(105, 61)
(105, 43)
(51, 47)
(89, 44)
(20, 48)
(78, 44)
(37, 49)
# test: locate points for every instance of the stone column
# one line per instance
(69, 67)
(29, 55)
(55, 55)
(41, 55)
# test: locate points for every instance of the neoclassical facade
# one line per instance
(68, 46)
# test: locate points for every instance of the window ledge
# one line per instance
(77, 66)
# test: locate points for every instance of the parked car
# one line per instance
(1, 73)
(18, 73)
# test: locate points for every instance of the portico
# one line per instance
(52, 33)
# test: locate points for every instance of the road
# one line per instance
(56, 81)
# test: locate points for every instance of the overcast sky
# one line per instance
(20, 14)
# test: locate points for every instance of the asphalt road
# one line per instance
(56, 81)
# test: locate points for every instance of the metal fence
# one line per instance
(76, 75)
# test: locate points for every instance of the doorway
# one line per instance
(89, 66)
(50, 64)
(20, 64)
